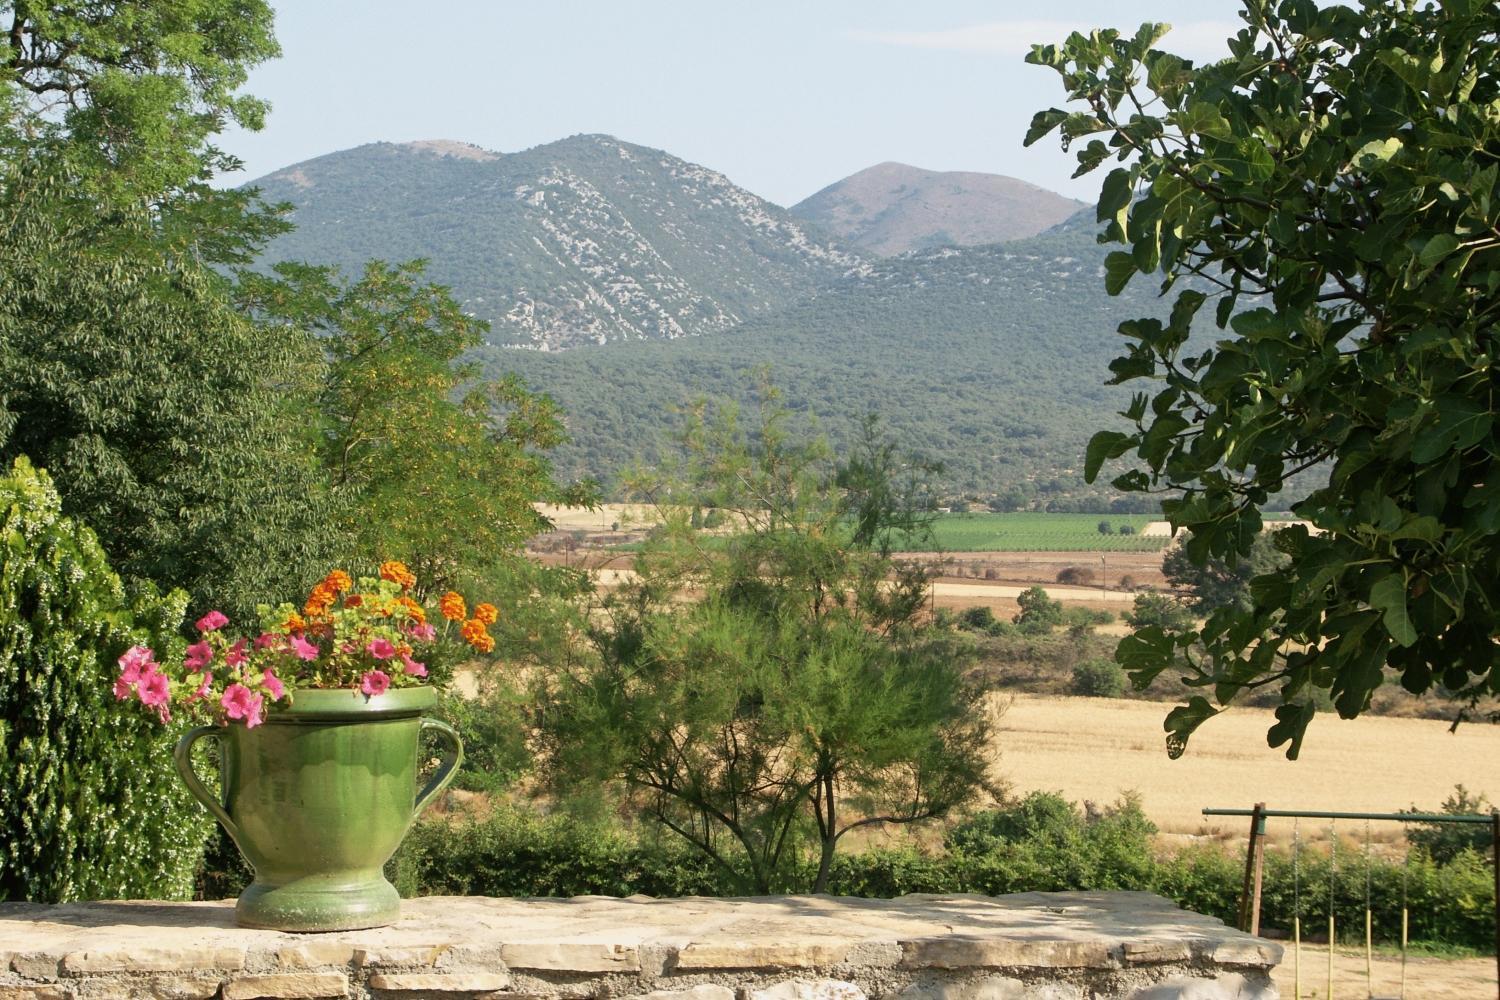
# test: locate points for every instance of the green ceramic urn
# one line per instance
(318, 798)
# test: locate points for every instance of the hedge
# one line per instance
(1033, 846)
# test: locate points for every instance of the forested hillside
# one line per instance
(583, 241)
(989, 359)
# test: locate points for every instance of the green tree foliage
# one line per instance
(1215, 583)
(1039, 613)
(159, 408)
(798, 699)
(131, 93)
(1098, 679)
(87, 810)
(426, 464)
(1444, 841)
(1161, 610)
(1330, 184)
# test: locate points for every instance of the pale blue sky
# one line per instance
(783, 97)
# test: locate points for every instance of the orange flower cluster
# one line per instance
(452, 606)
(294, 623)
(414, 611)
(475, 635)
(486, 613)
(325, 593)
(397, 573)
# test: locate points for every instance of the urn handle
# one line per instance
(446, 771)
(182, 756)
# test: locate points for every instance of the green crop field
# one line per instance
(1034, 532)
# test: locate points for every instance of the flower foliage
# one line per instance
(365, 634)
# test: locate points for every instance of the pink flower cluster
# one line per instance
(142, 676)
(365, 636)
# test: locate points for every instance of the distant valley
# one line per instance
(626, 282)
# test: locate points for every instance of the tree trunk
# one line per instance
(828, 835)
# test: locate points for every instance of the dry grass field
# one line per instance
(1090, 748)
(1426, 978)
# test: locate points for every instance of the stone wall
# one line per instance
(1031, 946)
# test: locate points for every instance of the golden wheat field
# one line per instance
(1092, 748)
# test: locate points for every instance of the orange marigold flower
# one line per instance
(397, 573)
(294, 623)
(338, 581)
(486, 613)
(452, 606)
(353, 601)
(319, 601)
(414, 611)
(475, 635)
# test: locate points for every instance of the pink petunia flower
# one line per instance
(381, 648)
(374, 682)
(154, 689)
(205, 688)
(123, 688)
(255, 716)
(135, 661)
(199, 655)
(414, 668)
(266, 639)
(235, 656)
(303, 648)
(424, 631)
(212, 621)
(240, 703)
(273, 685)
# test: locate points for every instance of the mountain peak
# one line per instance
(894, 207)
(451, 147)
(582, 241)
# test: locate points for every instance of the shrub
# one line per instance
(1039, 613)
(90, 806)
(1444, 841)
(1099, 679)
(976, 619)
(1154, 608)
(1075, 575)
(494, 728)
(1041, 842)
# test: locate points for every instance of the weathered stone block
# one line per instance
(1150, 952)
(313, 954)
(35, 993)
(187, 958)
(955, 952)
(397, 955)
(291, 986)
(703, 992)
(1246, 951)
(440, 982)
(34, 965)
(570, 957)
(805, 989)
(771, 952)
(1225, 986)
(185, 987)
(989, 988)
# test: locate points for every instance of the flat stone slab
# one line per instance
(918, 947)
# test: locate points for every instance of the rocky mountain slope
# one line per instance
(891, 207)
(989, 359)
(584, 241)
